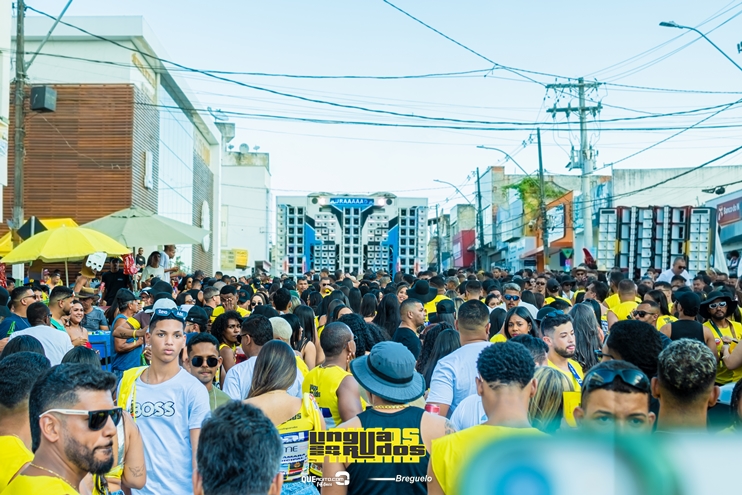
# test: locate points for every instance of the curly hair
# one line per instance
(638, 343)
(219, 326)
(686, 368)
(363, 336)
(506, 363)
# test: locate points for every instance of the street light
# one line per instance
(673, 24)
(457, 190)
(506, 156)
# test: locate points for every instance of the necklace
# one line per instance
(57, 475)
(400, 406)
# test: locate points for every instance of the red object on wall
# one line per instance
(462, 247)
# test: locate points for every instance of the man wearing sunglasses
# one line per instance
(168, 405)
(73, 423)
(678, 268)
(717, 310)
(615, 397)
(203, 361)
(20, 299)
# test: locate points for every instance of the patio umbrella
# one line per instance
(136, 227)
(62, 245)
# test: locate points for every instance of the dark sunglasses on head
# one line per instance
(510, 297)
(96, 419)
(211, 361)
(554, 313)
(720, 304)
(172, 312)
(601, 378)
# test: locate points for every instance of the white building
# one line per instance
(351, 233)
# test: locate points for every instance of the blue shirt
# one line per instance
(123, 361)
(13, 323)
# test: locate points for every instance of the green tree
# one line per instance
(529, 192)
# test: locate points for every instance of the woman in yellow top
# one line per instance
(226, 329)
(518, 321)
(659, 297)
(275, 372)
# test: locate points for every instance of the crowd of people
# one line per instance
(215, 384)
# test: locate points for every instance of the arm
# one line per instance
(135, 472)
(668, 331)
(710, 340)
(123, 346)
(228, 361)
(732, 360)
(309, 355)
(195, 433)
(434, 488)
(349, 398)
(612, 318)
(334, 488)
(441, 387)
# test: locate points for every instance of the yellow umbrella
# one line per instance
(62, 245)
(6, 242)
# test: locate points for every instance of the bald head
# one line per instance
(334, 338)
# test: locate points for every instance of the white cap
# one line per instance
(164, 303)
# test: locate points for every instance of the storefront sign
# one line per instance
(729, 211)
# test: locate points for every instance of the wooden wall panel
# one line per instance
(78, 159)
(203, 183)
(146, 139)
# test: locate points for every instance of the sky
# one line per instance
(609, 42)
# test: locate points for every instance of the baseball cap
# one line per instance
(197, 315)
(125, 295)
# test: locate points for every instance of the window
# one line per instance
(403, 212)
(300, 230)
(403, 251)
(403, 231)
(291, 249)
(355, 250)
(300, 211)
(291, 220)
(355, 221)
(347, 230)
(291, 211)
(403, 222)
(300, 250)
(412, 221)
(291, 230)
(355, 230)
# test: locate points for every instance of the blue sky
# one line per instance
(569, 38)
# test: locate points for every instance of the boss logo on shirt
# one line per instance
(156, 409)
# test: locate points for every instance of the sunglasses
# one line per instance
(642, 314)
(720, 304)
(540, 283)
(600, 354)
(211, 361)
(172, 312)
(96, 419)
(510, 297)
(601, 378)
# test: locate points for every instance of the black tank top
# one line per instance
(360, 472)
(686, 329)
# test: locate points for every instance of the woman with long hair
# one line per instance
(152, 269)
(186, 283)
(368, 307)
(354, 300)
(226, 329)
(275, 372)
(546, 407)
(387, 314)
(497, 320)
(78, 333)
(587, 335)
(445, 343)
(324, 307)
(659, 297)
(314, 300)
(364, 338)
(309, 346)
(518, 321)
(401, 292)
(428, 337)
(185, 298)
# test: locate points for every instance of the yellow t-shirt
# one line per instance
(723, 374)
(577, 369)
(664, 320)
(430, 307)
(551, 299)
(498, 338)
(615, 300)
(13, 456)
(32, 485)
(451, 453)
(219, 310)
(624, 309)
(295, 436)
(323, 384)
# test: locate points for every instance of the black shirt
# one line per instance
(141, 261)
(114, 282)
(686, 329)
(409, 339)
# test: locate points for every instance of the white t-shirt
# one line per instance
(239, 378)
(470, 412)
(148, 271)
(667, 275)
(454, 376)
(164, 260)
(533, 310)
(165, 414)
(55, 342)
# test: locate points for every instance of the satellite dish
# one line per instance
(244, 148)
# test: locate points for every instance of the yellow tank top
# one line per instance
(451, 453)
(498, 338)
(664, 320)
(13, 456)
(323, 384)
(430, 307)
(295, 436)
(27, 485)
(302, 366)
(623, 310)
(723, 374)
(551, 299)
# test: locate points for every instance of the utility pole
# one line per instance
(542, 203)
(587, 155)
(438, 239)
(20, 131)
(480, 223)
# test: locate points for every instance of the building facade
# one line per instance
(125, 133)
(351, 233)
